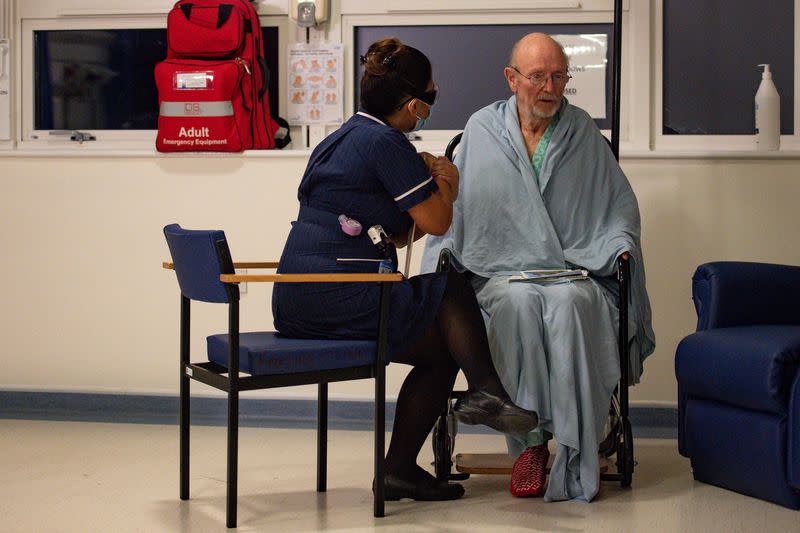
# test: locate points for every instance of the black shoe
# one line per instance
(479, 407)
(427, 489)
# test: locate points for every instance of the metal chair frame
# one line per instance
(231, 382)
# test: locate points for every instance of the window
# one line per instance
(99, 77)
(470, 75)
(710, 53)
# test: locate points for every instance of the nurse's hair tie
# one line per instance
(389, 61)
(382, 56)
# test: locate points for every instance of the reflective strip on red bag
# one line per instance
(196, 109)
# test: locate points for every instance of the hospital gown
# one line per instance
(555, 346)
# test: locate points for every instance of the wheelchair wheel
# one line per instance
(608, 447)
(442, 449)
(625, 462)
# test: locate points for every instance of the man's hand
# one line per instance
(428, 159)
(446, 176)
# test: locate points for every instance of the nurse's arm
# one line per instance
(434, 214)
(401, 241)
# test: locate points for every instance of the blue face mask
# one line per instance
(422, 121)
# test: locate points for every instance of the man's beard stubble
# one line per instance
(546, 114)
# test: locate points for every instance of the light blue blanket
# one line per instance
(554, 346)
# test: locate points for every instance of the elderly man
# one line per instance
(540, 189)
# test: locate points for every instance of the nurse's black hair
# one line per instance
(393, 71)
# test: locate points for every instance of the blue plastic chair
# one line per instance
(739, 380)
(261, 360)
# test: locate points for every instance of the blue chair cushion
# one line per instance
(266, 353)
(748, 366)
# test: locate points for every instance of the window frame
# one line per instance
(712, 143)
(503, 13)
(30, 138)
(642, 63)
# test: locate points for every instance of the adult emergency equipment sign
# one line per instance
(204, 109)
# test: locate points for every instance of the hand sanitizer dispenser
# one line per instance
(768, 113)
(308, 13)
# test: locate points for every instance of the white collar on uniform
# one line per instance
(379, 121)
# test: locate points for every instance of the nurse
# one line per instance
(368, 171)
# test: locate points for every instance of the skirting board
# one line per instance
(648, 422)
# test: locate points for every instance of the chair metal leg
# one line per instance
(380, 437)
(184, 400)
(380, 402)
(233, 412)
(184, 438)
(322, 437)
(233, 447)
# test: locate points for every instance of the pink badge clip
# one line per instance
(349, 226)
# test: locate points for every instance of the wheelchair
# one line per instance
(618, 442)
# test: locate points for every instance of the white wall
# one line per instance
(87, 306)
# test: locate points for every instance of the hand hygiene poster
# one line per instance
(315, 84)
(587, 65)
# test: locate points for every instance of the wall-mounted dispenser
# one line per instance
(308, 13)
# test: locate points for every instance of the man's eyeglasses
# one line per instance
(539, 79)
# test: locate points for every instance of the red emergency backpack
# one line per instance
(212, 88)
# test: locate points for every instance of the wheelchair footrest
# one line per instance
(499, 463)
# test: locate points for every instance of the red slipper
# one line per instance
(529, 473)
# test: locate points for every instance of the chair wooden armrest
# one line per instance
(295, 278)
(244, 264)
(306, 278)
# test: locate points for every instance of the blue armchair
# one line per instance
(739, 380)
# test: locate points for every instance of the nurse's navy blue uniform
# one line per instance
(370, 172)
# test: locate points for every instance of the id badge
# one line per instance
(386, 267)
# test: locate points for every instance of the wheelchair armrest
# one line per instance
(623, 272)
(729, 293)
(618, 283)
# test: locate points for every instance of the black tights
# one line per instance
(457, 340)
